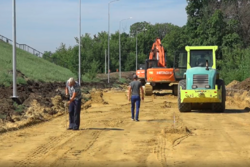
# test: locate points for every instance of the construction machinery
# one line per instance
(157, 75)
(141, 73)
(201, 87)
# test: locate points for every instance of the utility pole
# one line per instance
(120, 68)
(105, 60)
(136, 53)
(14, 50)
(79, 45)
(108, 33)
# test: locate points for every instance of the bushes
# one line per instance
(235, 64)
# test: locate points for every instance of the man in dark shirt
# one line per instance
(134, 96)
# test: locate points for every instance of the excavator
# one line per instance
(141, 73)
(156, 74)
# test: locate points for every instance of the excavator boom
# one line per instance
(157, 52)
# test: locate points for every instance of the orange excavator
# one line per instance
(156, 74)
(141, 73)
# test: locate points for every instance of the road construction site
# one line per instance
(108, 136)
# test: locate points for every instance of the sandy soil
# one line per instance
(38, 101)
(108, 137)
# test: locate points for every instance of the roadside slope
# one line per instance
(28, 67)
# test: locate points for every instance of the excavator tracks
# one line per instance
(148, 90)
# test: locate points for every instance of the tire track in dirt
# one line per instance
(143, 149)
(239, 157)
(164, 148)
(72, 154)
(160, 151)
(224, 143)
(235, 148)
(32, 158)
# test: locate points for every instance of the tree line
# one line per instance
(225, 23)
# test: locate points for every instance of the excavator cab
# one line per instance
(180, 65)
(141, 66)
(153, 63)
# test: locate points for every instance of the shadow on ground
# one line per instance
(117, 129)
(162, 94)
(158, 120)
(227, 111)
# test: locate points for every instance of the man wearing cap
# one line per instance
(73, 90)
(134, 96)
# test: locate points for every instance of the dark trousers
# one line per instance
(135, 100)
(74, 114)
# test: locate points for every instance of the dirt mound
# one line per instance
(47, 97)
(175, 134)
(41, 92)
(86, 105)
(167, 104)
(233, 83)
(240, 99)
(96, 97)
(57, 102)
(245, 85)
(35, 113)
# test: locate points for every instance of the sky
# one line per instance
(45, 24)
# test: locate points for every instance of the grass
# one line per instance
(18, 108)
(85, 78)
(33, 67)
(122, 80)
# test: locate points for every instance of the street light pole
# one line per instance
(144, 29)
(14, 49)
(80, 45)
(136, 47)
(136, 52)
(120, 45)
(108, 32)
(105, 61)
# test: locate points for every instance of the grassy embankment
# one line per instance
(33, 67)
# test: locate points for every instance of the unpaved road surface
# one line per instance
(108, 137)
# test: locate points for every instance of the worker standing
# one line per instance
(73, 90)
(134, 96)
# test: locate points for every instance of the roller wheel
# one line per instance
(220, 107)
(183, 107)
(148, 90)
(175, 90)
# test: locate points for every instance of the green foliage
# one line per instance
(122, 80)
(18, 108)
(237, 65)
(116, 85)
(3, 116)
(86, 78)
(5, 79)
(174, 41)
(221, 23)
(209, 24)
(94, 69)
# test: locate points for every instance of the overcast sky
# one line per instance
(45, 24)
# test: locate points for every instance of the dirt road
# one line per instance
(108, 137)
